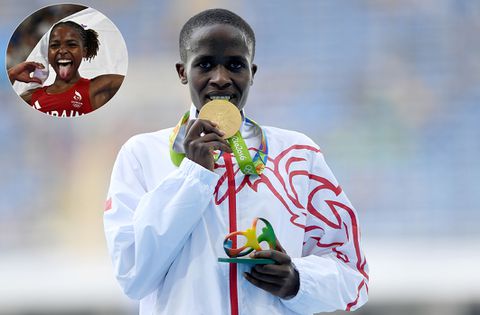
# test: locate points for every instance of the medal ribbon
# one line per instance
(247, 165)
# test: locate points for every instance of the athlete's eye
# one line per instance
(205, 65)
(236, 65)
(72, 43)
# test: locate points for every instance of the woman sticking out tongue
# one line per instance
(70, 94)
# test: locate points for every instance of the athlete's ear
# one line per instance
(84, 52)
(181, 72)
(254, 70)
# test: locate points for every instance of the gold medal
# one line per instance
(225, 114)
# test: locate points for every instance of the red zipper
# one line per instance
(232, 218)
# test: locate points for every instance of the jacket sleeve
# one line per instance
(145, 230)
(333, 270)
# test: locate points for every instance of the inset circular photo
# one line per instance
(66, 60)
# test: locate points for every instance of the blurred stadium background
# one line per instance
(386, 87)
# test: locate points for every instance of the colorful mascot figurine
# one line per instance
(250, 243)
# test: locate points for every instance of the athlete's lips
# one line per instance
(220, 95)
(64, 61)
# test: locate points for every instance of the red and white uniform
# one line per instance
(165, 227)
(71, 103)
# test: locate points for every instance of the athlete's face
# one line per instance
(65, 51)
(219, 63)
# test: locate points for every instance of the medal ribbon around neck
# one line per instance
(247, 165)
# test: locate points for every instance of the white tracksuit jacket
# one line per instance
(165, 227)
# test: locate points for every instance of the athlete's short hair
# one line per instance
(89, 37)
(214, 17)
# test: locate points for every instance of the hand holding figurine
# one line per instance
(22, 71)
(280, 279)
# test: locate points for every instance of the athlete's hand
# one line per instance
(21, 72)
(280, 279)
(202, 138)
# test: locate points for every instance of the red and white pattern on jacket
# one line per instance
(326, 210)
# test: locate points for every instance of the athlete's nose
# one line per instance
(62, 49)
(220, 77)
